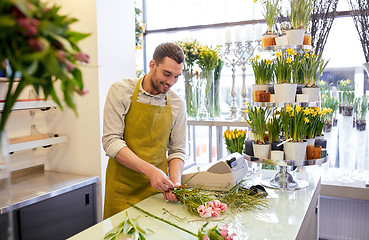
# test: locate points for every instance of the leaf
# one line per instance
(127, 226)
(141, 237)
(135, 236)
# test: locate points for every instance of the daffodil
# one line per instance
(289, 60)
(298, 108)
(291, 51)
(278, 54)
(307, 120)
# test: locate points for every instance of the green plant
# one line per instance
(329, 102)
(363, 109)
(282, 66)
(263, 70)
(300, 13)
(312, 66)
(296, 66)
(140, 28)
(270, 13)
(257, 117)
(274, 126)
(346, 92)
(37, 41)
(191, 51)
(235, 140)
(294, 123)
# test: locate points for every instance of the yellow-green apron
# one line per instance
(147, 131)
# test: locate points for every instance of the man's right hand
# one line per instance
(159, 180)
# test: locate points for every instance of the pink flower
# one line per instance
(36, 44)
(224, 232)
(128, 238)
(215, 212)
(28, 26)
(216, 203)
(230, 237)
(84, 91)
(209, 205)
(205, 238)
(60, 55)
(223, 207)
(82, 57)
(69, 65)
(206, 213)
(201, 209)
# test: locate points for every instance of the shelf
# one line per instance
(285, 47)
(32, 104)
(218, 122)
(42, 141)
(272, 104)
(285, 163)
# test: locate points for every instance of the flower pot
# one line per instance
(261, 150)
(285, 92)
(258, 92)
(295, 36)
(335, 120)
(327, 126)
(274, 146)
(347, 111)
(302, 97)
(276, 155)
(313, 152)
(313, 92)
(307, 39)
(310, 141)
(295, 151)
(361, 125)
(321, 142)
(299, 88)
(281, 40)
(249, 150)
(271, 89)
(268, 39)
(272, 98)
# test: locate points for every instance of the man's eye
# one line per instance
(166, 74)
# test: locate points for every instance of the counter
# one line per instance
(42, 185)
(291, 215)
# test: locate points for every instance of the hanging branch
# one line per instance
(360, 12)
(322, 18)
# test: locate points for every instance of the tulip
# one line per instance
(205, 238)
(28, 26)
(224, 232)
(206, 213)
(209, 205)
(201, 209)
(216, 203)
(36, 44)
(223, 207)
(60, 55)
(215, 212)
(82, 57)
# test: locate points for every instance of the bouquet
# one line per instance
(235, 140)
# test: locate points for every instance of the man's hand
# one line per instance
(159, 180)
(169, 195)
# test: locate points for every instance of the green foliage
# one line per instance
(274, 126)
(129, 228)
(270, 13)
(37, 42)
(283, 70)
(263, 70)
(257, 119)
(235, 140)
(300, 13)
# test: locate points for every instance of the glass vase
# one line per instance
(191, 93)
(206, 96)
(216, 97)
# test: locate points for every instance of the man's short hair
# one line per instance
(170, 50)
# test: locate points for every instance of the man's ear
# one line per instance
(152, 64)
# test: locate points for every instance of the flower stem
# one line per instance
(161, 219)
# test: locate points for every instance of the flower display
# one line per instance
(37, 42)
(191, 51)
(312, 66)
(257, 118)
(294, 123)
(300, 13)
(282, 63)
(263, 70)
(346, 92)
(235, 140)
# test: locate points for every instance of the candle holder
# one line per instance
(238, 54)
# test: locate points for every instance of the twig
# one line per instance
(161, 219)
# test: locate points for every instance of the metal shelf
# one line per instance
(285, 163)
(273, 104)
(285, 47)
(32, 104)
(47, 142)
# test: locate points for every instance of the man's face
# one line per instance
(165, 75)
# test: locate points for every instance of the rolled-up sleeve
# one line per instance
(177, 140)
(115, 110)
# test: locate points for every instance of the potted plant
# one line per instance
(329, 102)
(235, 140)
(363, 109)
(312, 67)
(264, 73)
(294, 121)
(207, 61)
(284, 90)
(257, 117)
(191, 52)
(274, 130)
(270, 13)
(299, 15)
(346, 94)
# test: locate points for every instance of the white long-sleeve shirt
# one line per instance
(117, 104)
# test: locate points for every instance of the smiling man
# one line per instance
(144, 133)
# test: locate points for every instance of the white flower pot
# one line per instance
(310, 141)
(313, 92)
(276, 155)
(285, 92)
(261, 150)
(302, 97)
(281, 41)
(295, 36)
(295, 151)
(272, 98)
(260, 87)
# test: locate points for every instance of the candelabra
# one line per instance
(238, 55)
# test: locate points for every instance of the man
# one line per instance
(142, 119)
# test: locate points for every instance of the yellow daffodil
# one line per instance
(278, 54)
(251, 59)
(291, 51)
(292, 114)
(323, 96)
(307, 55)
(255, 1)
(298, 108)
(307, 120)
(307, 111)
(257, 57)
(288, 108)
(348, 81)
(321, 82)
(289, 60)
